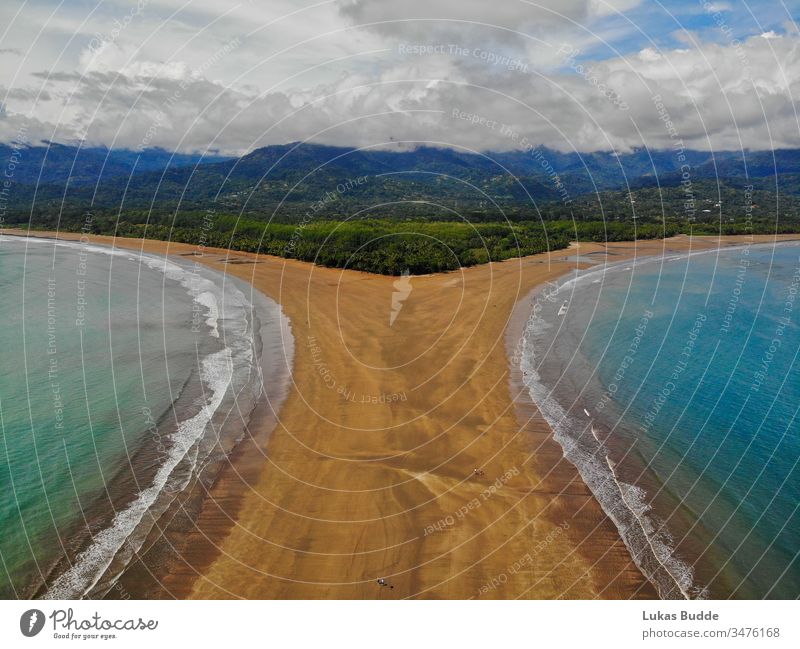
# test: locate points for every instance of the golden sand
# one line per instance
(369, 472)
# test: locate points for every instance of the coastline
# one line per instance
(308, 525)
(680, 553)
(594, 457)
(586, 525)
(185, 541)
(232, 373)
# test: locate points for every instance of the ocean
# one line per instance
(124, 376)
(673, 385)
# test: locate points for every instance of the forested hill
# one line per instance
(284, 182)
(387, 211)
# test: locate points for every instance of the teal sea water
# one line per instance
(673, 384)
(120, 373)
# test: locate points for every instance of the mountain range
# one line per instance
(300, 180)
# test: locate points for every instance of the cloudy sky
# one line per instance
(206, 75)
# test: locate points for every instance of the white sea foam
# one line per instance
(89, 565)
(203, 290)
(224, 371)
(645, 536)
(209, 301)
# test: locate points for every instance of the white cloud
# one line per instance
(313, 74)
(611, 7)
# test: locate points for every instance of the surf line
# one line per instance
(644, 531)
(632, 509)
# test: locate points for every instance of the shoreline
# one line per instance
(625, 491)
(531, 419)
(227, 323)
(176, 552)
(673, 545)
(623, 501)
(313, 527)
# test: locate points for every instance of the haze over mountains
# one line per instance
(284, 182)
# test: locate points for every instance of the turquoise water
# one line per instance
(114, 368)
(674, 385)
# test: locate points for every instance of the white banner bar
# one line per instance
(407, 625)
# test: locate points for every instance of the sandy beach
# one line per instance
(369, 471)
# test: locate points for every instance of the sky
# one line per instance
(475, 75)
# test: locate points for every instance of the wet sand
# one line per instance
(369, 471)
